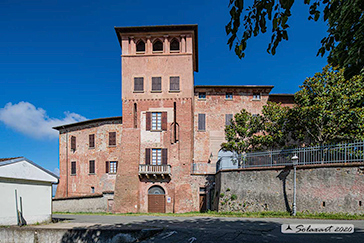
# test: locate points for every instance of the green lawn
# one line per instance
(265, 214)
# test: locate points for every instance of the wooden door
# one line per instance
(156, 203)
(203, 203)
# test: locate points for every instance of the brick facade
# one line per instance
(159, 143)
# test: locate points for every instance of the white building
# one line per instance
(26, 187)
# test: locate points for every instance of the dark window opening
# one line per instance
(140, 47)
(91, 139)
(174, 83)
(256, 96)
(73, 168)
(92, 189)
(156, 83)
(158, 46)
(135, 115)
(73, 143)
(112, 138)
(229, 96)
(360, 203)
(202, 95)
(92, 166)
(139, 84)
(174, 45)
(323, 204)
(201, 122)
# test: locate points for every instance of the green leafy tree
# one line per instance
(329, 108)
(345, 20)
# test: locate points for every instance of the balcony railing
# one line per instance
(155, 170)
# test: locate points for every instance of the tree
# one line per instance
(329, 108)
(345, 19)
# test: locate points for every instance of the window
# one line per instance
(174, 45)
(140, 47)
(157, 46)
(202, 95)
(139, 84)
(92, 166)
(174, 83)
(156, 84)
(228, 118)
(91, 141)
(156, 156)
(92, 189)
(229, 96)
(73, 168)
(201, 122)
(111, 167)
(73, 143)
(256, 96)
(156, 121)
(112, 138)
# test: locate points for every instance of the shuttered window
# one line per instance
(156, 83)
(73, 143)
(92, 166)
(139, 84)
(112, 138)
(174, 83)
(156, 156)
(73, 168)
(107, 166)
(201, 122)
(228, 118)
(156, 121)
(91, 139)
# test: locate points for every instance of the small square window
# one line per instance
(256, 96)
(156, 84)
(202, 95)
(229, 96)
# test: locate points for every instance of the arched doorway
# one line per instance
(156, 200)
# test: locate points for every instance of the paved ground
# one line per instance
(205, 229)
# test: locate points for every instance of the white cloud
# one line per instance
(24, 117)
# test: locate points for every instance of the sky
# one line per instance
(60, 62)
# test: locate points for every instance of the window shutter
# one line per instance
(156, 83)
(92, 140)
(164, 121)
(73, 143)
(148, 121)
(139, 84)
(201, 122)
(147, 156)
(174, 83)
(164, 156)
(112, 138)
(107, 167)
(228, 118)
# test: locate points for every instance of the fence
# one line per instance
(328, 154)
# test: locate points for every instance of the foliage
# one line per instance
(329, 108)
(233, 197)
(222, 195)
(345, 19)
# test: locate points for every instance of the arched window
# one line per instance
(174, 45)
(156, 190)
(157, 46)
(140, 47)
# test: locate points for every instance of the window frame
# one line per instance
(158, 123)
(73, 143)
(201, 93)
(140, 79)
(136, 46)
(198, 122)
(73, 168)
(114, 134)
(160, 84)
(174, 39)
(257, 96)
(91, 162)
(155, 42)
(229, 96)
(113, 169)
(91, 138)
(170, 84)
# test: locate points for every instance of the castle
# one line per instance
(161, 155)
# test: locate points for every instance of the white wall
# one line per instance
(36, 197)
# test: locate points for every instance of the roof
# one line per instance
(8, 161)
(105, 119)
(162, 28)
(235, 86)
(281, 94)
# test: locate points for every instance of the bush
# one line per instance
(222, 195)
(228, 189)
(233, 197)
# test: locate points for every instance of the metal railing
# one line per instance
(327, 154)
(154, 169)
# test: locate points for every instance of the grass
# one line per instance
(264, 214)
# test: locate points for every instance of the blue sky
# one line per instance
(60, 61)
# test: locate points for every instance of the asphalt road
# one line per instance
(213, 229)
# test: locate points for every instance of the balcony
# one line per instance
(155, 171)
